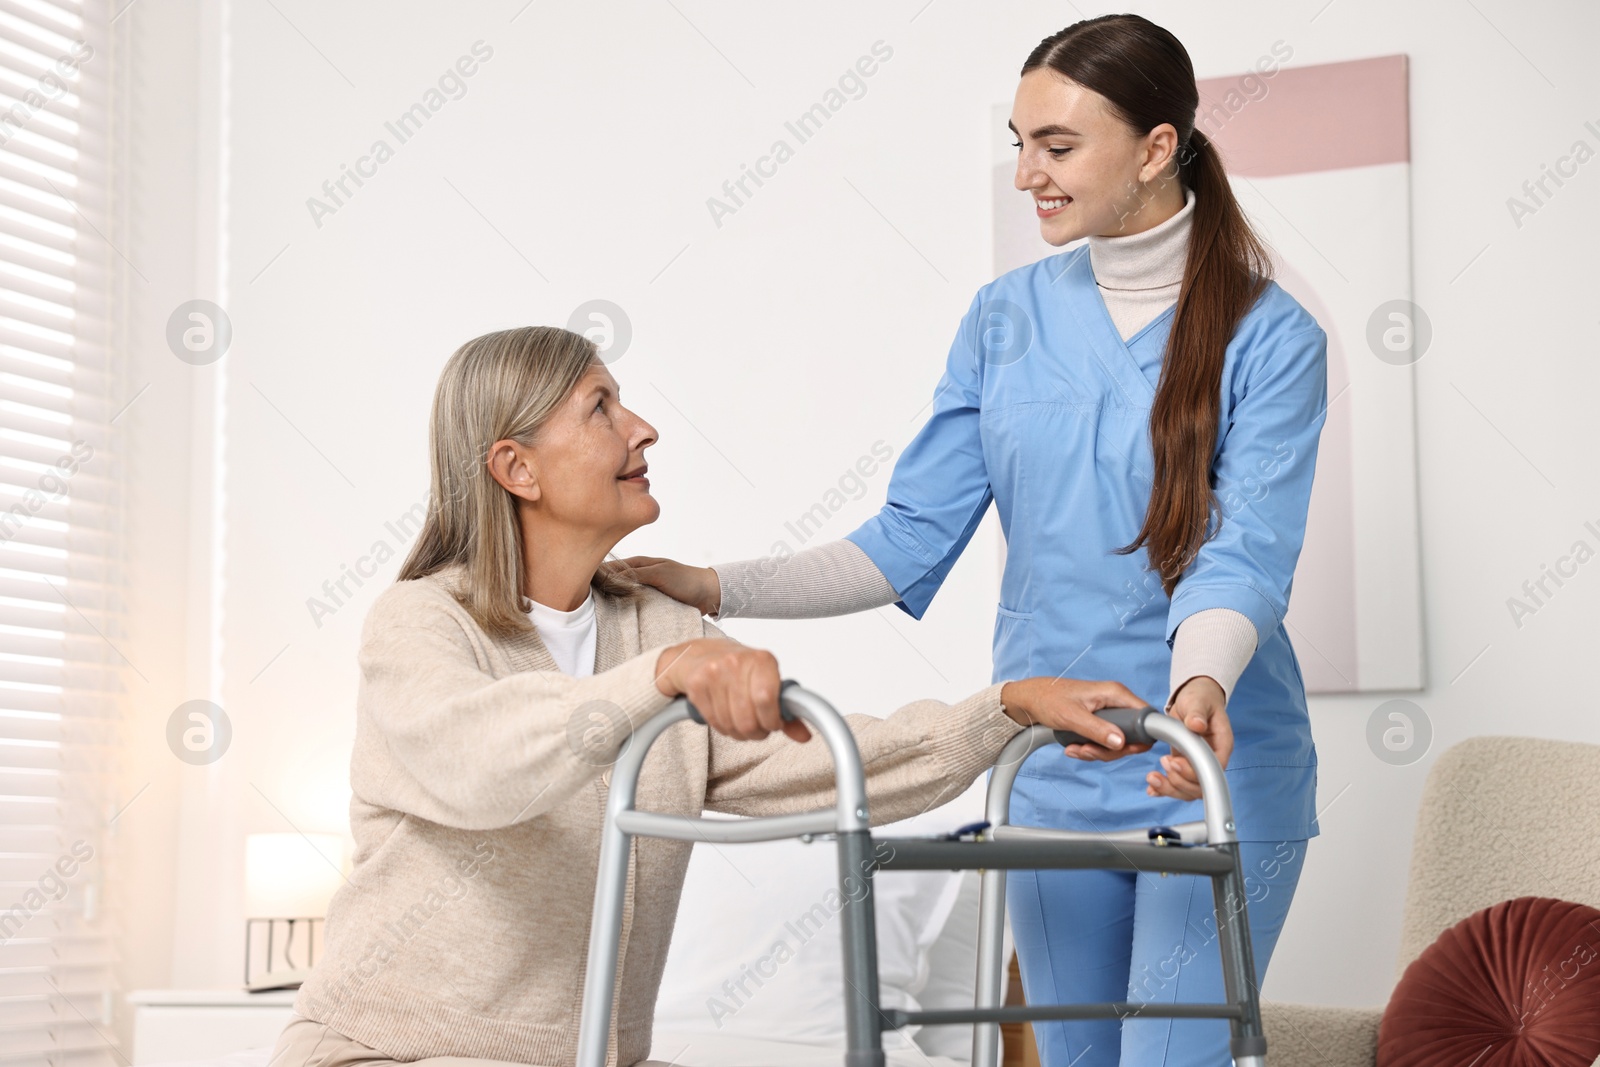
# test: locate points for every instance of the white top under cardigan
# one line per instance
(567, 635)
(1139, 277)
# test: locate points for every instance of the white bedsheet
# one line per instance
(726, 1050)
(684, 1050)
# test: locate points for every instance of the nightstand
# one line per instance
(187, 1024)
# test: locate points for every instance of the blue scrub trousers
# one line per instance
(1119, 935)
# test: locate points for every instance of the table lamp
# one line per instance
(289, 879)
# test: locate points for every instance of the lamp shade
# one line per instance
(291, 876)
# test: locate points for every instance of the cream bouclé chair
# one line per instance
(1501, 817)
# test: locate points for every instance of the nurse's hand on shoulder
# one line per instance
(1070, 704)
(1203, 708)
(696, 586)
(733, 686)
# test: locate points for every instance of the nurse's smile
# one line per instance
(1070, 137)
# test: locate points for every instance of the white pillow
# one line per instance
(756, 950)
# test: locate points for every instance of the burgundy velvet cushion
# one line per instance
(1515, 985)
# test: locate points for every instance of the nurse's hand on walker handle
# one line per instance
(1201, 705)
(735, 689)
(1070, 704)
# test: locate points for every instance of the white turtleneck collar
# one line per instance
(1148, 260)
(1139, 276)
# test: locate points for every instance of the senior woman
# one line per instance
(500, 676)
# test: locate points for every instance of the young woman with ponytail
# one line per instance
(1153, 388)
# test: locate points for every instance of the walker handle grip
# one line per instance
(1129, 720)
(788, 716)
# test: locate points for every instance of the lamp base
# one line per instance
(278, 980)
(269, 941)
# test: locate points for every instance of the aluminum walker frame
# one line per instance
(1208, 848)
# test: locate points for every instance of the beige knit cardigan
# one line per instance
(480, 776)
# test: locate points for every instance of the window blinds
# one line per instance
(61, 699)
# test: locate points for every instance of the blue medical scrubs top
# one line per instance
(1044, 410)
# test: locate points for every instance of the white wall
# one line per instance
(773, 351)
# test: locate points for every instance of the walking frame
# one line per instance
(1208, 847)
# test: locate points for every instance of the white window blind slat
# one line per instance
(61, 682)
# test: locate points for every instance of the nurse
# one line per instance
(1150, 389)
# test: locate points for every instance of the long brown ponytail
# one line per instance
(1145, 74)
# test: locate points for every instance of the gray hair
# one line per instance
(502, 385)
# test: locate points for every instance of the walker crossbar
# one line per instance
(1199, 848)
(921, 854)
(1189, 833)
(1116, 1009)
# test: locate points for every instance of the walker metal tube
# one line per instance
(1139, 726)
(992, 892)
(1218, 803)
(726, 831)
(605, 926)
(1191, 833)
(848, 818)
(1249, 1041)
(862, 1023)
(923, 854)
(1006, 847)
(858, 929)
